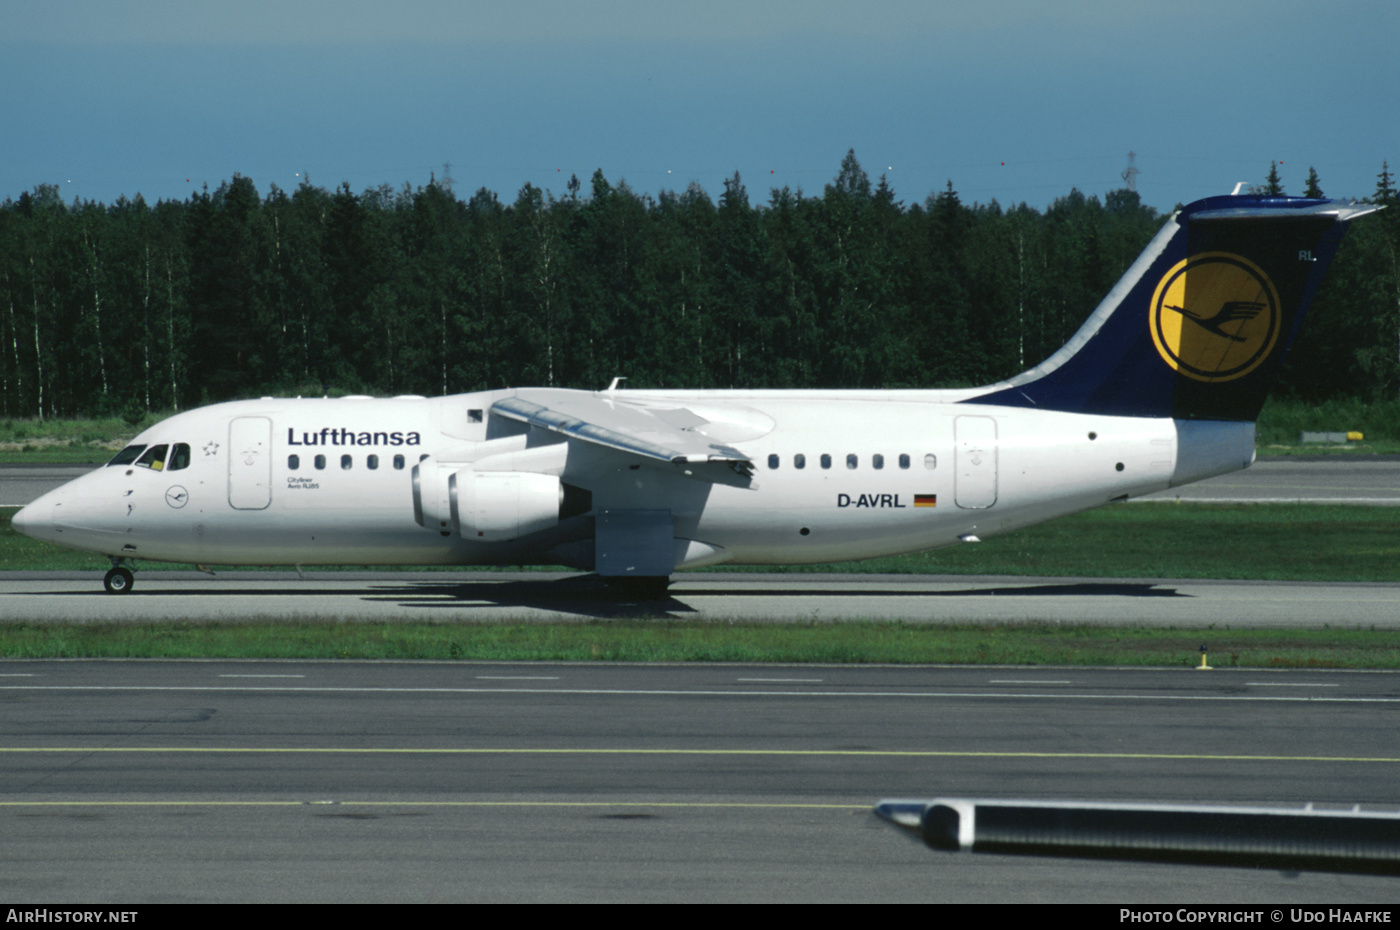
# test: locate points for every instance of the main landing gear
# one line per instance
(119, 579)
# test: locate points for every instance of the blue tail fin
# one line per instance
(1198, 325)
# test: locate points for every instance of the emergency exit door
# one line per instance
(975, 485)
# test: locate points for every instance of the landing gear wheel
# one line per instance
(118, 581)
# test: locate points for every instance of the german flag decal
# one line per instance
(925, 500)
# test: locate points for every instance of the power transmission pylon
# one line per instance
(1130, 173)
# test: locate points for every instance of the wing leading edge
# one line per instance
(671, 434)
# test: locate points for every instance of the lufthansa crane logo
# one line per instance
(1215, 317)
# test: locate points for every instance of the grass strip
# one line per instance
(1268, 542)
(662, 640)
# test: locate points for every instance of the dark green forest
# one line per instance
(128, 307)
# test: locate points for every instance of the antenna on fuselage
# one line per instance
(613, 387)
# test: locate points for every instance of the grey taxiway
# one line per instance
(345, 781)
(65, 597)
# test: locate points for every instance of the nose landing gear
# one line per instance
(118, 579)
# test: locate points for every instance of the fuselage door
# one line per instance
(976, 481)
(250, 463)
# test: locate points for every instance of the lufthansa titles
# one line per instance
(344, 436)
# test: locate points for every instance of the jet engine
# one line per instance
(431, 507)
(498, 506)
(494, 504)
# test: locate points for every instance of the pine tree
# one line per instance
(846, 257)
(1312, 189)
(1389, 278)
(743, 331)
(1385, 188)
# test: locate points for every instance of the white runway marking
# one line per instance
(517, 677)
(262, 676)
(784, 680)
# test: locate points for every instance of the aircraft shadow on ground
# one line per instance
(589, 596)
(583, 595)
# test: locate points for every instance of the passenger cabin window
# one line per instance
(154, 459)
(903, 460)
(930, 461)
(826, 460)
(346, 461)
(320, 462)
(799, 461)
(371, 462)
(877, 461)
(179, 456)
(773, 461)
(126, 456)
(398, 463)
(293, 462)
(852, 460)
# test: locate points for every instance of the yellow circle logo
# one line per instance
(1215, 317)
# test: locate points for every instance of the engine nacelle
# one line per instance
(432, 509)
(503, 490)
(498, 506)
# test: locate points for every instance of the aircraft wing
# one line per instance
(660, 432)
(1365, 842)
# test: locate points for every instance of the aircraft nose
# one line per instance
(24, 521)
(35, 520)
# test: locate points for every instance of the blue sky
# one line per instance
(1010, 100)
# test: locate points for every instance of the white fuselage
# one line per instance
(837, 476)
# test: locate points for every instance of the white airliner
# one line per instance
(1159, 387)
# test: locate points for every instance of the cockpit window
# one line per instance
(154, 459)
(126, 456)
(179, 457)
